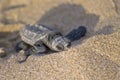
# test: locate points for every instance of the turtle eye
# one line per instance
(50, 38)
(56, 35)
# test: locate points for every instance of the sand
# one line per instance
(96, 56)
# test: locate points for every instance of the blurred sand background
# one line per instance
(94, 57)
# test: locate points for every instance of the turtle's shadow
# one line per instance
(67, 17)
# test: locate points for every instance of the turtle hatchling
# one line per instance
(41, 39)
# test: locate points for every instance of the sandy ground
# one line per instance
(94, 57)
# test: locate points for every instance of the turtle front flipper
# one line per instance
(23, 55)
(76, 34)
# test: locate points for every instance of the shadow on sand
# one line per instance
(67, 17)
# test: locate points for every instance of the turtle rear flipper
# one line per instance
(23, 55)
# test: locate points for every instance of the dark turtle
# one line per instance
(39, 39)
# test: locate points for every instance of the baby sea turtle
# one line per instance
(39, 39)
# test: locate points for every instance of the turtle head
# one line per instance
(61, 43)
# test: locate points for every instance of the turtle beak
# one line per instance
(63, 47)
(60, 47)
(67, 46)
